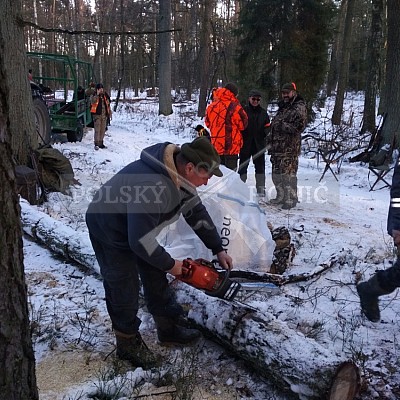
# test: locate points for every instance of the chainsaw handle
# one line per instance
(186, 272)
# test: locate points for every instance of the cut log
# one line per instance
(298, 365)
(346, 382)
(294, 363)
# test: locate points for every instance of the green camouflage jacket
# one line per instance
(286, 128)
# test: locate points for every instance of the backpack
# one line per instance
(54, 170)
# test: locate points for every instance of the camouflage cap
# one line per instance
(289, 86)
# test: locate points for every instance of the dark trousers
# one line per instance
(259, 165)
(120, 270)
(389, 279)
(230, 161)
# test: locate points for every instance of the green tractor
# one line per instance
(58, 93)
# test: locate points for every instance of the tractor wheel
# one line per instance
(42, 121)
(77, 135)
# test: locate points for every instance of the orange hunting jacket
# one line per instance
(226, 118)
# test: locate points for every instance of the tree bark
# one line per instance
(164, 59)
(204, 57)
(373, 59)
(344, 64)
(22, 120)
(391, 128)
(17, 361)
(263, 341)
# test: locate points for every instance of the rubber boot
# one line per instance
(279, 199)
(132, 348)
(170, 332)
(369, 292)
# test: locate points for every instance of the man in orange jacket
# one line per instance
(101, 112)
(226, 119)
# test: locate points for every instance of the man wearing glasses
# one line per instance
(284, 143)
(254, 137)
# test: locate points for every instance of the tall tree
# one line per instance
(391, 128)
(344, 65)
(22, 123)
(285, 41)
(373, 61)
(164, 58)
(204, 56)
(17, 362)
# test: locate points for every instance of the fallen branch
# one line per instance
(280, 280)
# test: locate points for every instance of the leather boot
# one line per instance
(169, 332)
(369, 292)
(102, 146)
(132, 348)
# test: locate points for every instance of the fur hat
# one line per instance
(202, 154)
(232, 87)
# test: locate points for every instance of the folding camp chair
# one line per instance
(380, 175)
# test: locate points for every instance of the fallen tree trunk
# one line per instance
(296, 364)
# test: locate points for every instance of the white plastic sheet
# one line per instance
(241, 223)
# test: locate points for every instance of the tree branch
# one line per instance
(89, 32)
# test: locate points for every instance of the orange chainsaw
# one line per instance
(203, 275)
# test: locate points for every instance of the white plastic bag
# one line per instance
(241, 223)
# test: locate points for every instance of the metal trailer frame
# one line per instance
(66, 116)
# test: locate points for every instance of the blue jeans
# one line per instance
(120, 270)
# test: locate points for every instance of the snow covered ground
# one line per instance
(339, 220)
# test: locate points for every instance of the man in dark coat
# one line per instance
(384, 281)
(125, 217)
(284, 143)
(254, 141)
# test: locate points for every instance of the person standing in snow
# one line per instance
(101, 113)
(254, 141)
(283, 143)
(384, 281)
(226, 119)
(124, 219)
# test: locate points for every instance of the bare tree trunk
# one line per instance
(17, 361)
(164, 59)
(22, 121)
(336, 51)
(121, 71)
(344, 64)
(204, 56)
(373, 60)
(391, 128)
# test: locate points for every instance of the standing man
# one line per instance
(101, 112)
(254, 137)
(124, 219)
(384, 281)
(284, 144)
(226, 119)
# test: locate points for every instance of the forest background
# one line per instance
(189, 46)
